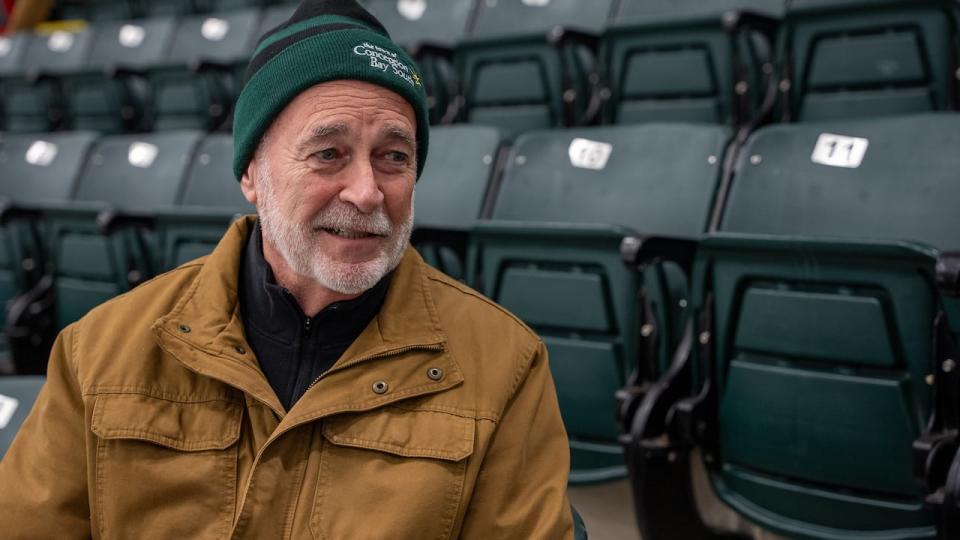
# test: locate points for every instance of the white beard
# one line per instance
(297, 243)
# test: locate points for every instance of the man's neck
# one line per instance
(310, 295)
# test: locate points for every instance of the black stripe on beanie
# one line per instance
(274, 48)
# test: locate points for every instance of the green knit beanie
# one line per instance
(324, 40)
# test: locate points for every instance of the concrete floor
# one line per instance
(607, 510)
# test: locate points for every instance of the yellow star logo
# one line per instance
(416, 79)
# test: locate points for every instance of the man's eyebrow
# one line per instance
(397, 132)
(322, 132)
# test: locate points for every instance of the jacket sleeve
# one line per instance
(43, 474)
(521, 491)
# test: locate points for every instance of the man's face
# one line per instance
(333, 183)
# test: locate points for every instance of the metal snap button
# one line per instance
(185, 329)
(435, 373)
(380, 387)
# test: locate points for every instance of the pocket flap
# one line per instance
(197, 426)
(407, 433)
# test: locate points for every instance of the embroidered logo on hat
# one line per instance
(384, 60)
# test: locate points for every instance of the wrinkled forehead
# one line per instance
(345, 106)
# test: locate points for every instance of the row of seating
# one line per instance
(118, 10)
(522, 65)
(765, 283)
(159, 73)
(816, 377)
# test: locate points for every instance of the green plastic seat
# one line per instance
(96, 10)
(108, 95)
(211, 200)
(172, 8)
(126, 175)
(864, 58)
(429, 31)
(17, 395)
(823, 319)
(33, 100)
(451, 193)
(669, 61)
(515, 68)
(551, 255)
(221, 6)
(38, 170)
(197, 85)
(12, 49)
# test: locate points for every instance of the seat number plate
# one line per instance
(8, 406)
(587, 154)
(840, 151)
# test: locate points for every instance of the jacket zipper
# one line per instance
(384, 354)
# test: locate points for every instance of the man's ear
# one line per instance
(248, 185)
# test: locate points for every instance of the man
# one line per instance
(312, 377)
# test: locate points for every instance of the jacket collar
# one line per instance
(204, 331)
(271, 310)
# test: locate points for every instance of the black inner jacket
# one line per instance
(293, 349)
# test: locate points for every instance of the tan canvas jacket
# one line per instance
(440, 421)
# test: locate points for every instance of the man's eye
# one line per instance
(327, 154)
(398, 157)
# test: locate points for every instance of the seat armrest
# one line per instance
(431, 235)
(430, 48)
(205, 66)
(110, 221)
(642, 251)
(560, 36)
(736, 21)
(9, 211)
(948, 274)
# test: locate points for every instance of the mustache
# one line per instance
(344, 216)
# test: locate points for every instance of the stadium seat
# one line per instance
(197, 86)
(551, 255)
(530, 65)
(859, 58)
(172, 8)
(221, 6)
(96, 10)
(17, 395)
(98, 242)
(110, 94)
(211, 199)
(33, 100)
(825, 381)
(38, 170)
(12, 49)
(429, 31)
(689, 61)
(451, 193)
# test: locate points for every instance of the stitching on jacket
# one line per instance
(316, 517)
(524, 367)
(101, 456)
(464, 413)
(405, 451)
(296, 487)
(153, 393)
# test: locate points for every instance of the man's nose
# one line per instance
(362, 189)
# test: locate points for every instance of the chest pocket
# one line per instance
(165, 469)
(391, 473)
